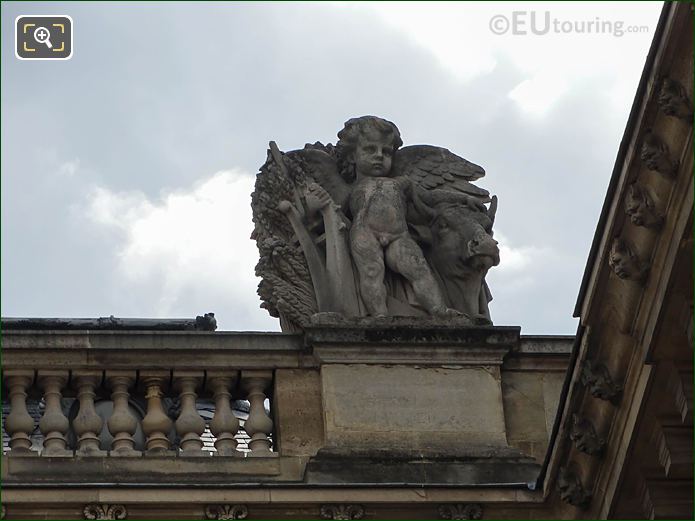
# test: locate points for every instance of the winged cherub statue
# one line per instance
(367, 228)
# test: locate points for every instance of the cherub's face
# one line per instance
(373, 155)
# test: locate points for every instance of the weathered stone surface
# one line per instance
(206, 322)
(164, 470)
(525, 413)
(412, 408)
(332, 327)
(299, 412)
(501, 466)
(552, 389)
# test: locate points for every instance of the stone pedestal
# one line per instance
(414, 400)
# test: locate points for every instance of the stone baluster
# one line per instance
(156, 424)
(87, 424)
(224, 424)
(122, 424)
(258, 425)
(19, 424)
(54, 425)
(189, 425)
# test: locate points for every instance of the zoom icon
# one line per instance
(43, 37)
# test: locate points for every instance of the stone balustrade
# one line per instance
(124, 389)
(176, 407)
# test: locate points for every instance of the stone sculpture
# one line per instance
(656, 155)
(367, 228)
(596, 378)
(641, 207)
(583, 434)
(625, 262)
(571, 489)
(673, 100)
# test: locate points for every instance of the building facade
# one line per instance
(403, 420)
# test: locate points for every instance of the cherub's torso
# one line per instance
(379, 204)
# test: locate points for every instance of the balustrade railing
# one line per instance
(129, 413)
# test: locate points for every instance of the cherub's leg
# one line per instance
(404, 256)
(369, 259)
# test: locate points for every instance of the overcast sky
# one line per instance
(127, 170)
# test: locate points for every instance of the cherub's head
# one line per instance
(366, 146)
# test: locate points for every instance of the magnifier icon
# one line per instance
(43, 35)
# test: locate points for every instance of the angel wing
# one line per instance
(437, 168)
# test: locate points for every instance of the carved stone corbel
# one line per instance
(625, 262)
(459, 511)
(640, 206)
(103, 511)
(673, 100)
(571, 489)
(596, 378)
(656, 155)
(226, 512)
(584, 436)
(342, 512)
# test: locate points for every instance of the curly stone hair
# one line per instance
(347, 141)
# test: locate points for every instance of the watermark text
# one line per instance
(540, 23)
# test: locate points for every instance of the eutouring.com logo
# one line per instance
(521, 23)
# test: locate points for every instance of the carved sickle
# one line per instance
(277, 157)
(317, 268)
(493, 209)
